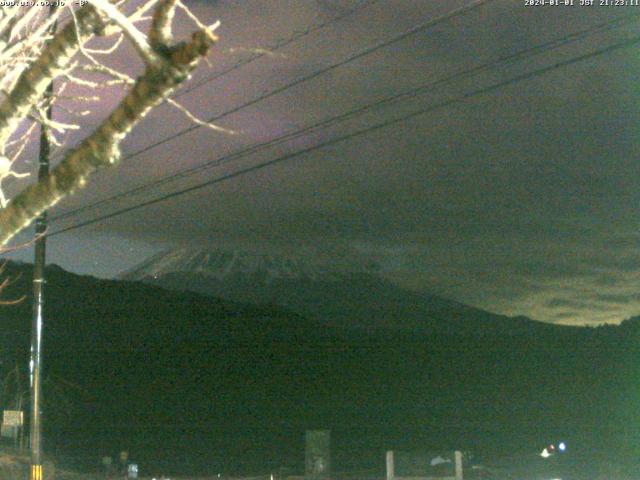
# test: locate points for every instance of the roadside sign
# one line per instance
(12, 418)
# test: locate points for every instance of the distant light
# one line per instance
(545, 453)
(562, 446)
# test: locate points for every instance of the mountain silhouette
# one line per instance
(339, 288)
(193, 383)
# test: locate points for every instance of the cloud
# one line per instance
(515, 200)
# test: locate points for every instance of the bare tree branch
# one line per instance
(101, 148)
(137, 38)
(28, 64)
(160, 34)
(33, 82)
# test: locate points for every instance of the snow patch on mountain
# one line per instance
(220, 263)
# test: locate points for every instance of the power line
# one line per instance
(423, 26)
(407, 94)
(298, 35)
(466, 96)
(284, 43)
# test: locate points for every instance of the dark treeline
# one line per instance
(188, 382)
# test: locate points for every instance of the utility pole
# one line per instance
(35, 364)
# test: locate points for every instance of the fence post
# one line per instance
(390, 466)
(458, 458)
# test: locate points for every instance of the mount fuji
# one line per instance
(340, 288)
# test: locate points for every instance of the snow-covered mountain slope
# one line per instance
(219, 263)
(340, 288)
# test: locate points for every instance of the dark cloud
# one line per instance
(616, 299)
(521, 201)
(560, 317)
(563, 303)
(607, 281)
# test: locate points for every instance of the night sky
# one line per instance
(520, 200)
